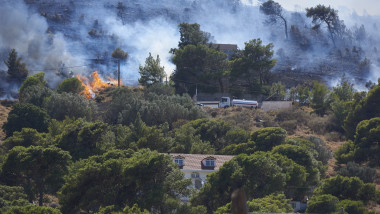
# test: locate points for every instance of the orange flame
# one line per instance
(94, 86)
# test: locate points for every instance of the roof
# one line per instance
(193, 161)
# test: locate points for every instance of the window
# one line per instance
(210, 162)
(179, 161)
(224, 100)
(195, 175)
(198, 184)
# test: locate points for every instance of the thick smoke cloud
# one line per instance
(26, 31)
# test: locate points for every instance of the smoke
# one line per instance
(26, 31)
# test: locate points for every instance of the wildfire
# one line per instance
(91, 87)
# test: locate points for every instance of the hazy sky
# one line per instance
(345, 7)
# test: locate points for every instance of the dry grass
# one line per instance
(5, 108)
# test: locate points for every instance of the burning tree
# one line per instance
(119, 55)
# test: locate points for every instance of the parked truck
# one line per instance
(227, 102)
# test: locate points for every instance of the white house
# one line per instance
(198, 166)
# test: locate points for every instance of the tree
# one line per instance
(16, 69)
(11, 196)
(39, 170)
(201, 65)
(252, 62)
(275, 13)
(35, 94)
(258, 174)
(70, 85)
(319, 98)
(367, 141)
(363, 109)
(347, 188)
(33, 80)
(267, 138)
(26, 137)
(277, 91)
(152, 72)
(119, 55)
(323, 204)
(327, 15)
(148, 179)
(25, 115)
(350, 206)
(31, 209)
(191, 34)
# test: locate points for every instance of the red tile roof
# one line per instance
(193, 161)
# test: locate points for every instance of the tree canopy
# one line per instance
(152, 72)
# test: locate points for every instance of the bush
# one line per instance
(25, 115)
(267, 138)
(345, 153)
(70, 85)
(323, 204)
(352, 169)
(64, 105)
(290, 126)
(36, 94)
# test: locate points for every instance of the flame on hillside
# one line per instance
(91, 87)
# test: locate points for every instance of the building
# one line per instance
(198, 166)
(228, 49)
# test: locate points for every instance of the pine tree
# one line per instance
(16, 69)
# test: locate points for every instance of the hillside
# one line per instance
(5, 108)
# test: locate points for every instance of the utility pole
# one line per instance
(118, 73)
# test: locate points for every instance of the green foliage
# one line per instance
(119, 54)
(347, 188)
(267, 138)
(341, 101)
(191, 34)
(258, 174)
(25, 115)
(345, 153)
(59, 106)
(134, 210)
(253, 63)
(273, 203)
(31, 209)
(70, 85)
(26, 137)
(353, 207)
(363, 109)
(367, 141)
(303, 157)
(241, 148)
(35, 94)
(319, 98)
(11, 196)
(353, 169)
(160, 89)
(212, 131)
(82, 139)
(146, 178)
(16, 69)
(152, 72)
(33, 80)
(187, 140)
(277, 91)
(323, 204)
(154, 109)
(199, 64)
(39, 170)
(303, 94)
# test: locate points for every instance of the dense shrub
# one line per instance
(36, 94)
(322, 204)
(70, 85)
(267, 138)
(65, 104)
(290, 126)
(352, 169)
(25, 115)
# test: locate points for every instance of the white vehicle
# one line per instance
(226, 102)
